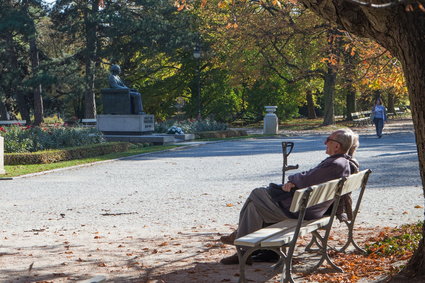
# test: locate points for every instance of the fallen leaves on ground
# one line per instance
(379, 261)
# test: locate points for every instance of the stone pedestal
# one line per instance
(2, 156)
(126, 124)
(270, 121)
(136, 129)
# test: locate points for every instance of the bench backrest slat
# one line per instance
(354, 182)
(326, 191)
(320, 193)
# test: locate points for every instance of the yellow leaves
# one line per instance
(231, 25)
(229, 205)
(223, 5)
(332, 59)
(180, 7)
(180, 4)
(419, 206)
(277, 3)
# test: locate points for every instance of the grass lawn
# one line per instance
(18, 170)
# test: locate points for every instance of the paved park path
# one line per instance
(157, 217)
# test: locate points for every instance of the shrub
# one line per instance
(31, 139)
(51, 156)
(221, 134)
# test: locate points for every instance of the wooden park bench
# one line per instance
(361, 118)
(88, 122)
(400, 111)
(282, 237)
(12, 122)
(339, 117)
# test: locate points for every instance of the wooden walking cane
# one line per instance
(286, 150)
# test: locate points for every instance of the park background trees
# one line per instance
(57, 58)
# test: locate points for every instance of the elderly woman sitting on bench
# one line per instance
(270, 205)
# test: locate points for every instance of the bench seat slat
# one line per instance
(284, 237)
(254, 239)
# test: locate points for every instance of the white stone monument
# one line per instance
(270, 121)
(2, 156)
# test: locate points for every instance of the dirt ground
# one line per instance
(190, 257)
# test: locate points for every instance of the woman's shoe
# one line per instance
(229, 239)
(234, 259)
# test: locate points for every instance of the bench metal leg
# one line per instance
(324, 252)
(313, 241)
(243, 254)
(287, 264)
(277, 267)
(350, 240)
(350, 223)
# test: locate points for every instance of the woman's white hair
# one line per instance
(348, 139)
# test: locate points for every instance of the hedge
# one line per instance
(221, 134)
(51, 156)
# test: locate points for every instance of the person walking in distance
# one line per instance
(379, 116)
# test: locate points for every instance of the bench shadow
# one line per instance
(193, 265)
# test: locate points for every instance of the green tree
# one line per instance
(80, 19)
(20, 50)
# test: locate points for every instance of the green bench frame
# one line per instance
(282, 237)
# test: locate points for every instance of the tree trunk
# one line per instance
(90, 28)
(350, 101)
(329, 93)
(351, 61)
(390, 102)
(335, 44)
(413, 61)
(38, 100)
(35, 62)
(402, 32)
(3, 112)
(310, 105)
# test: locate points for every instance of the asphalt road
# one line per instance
(202, 186)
